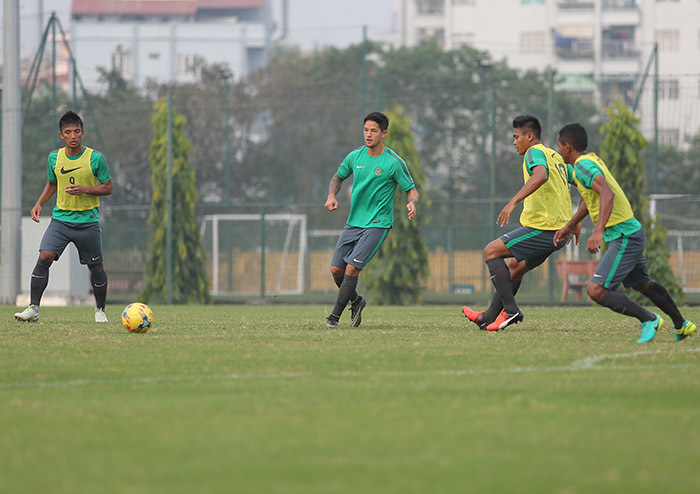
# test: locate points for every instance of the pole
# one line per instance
(169, 199)
(11, 215)
(53, 74)
(655, 188)
(364, 71)
(227, 130)
(262, 252)
(551, 267)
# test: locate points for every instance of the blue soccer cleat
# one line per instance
(650, 328)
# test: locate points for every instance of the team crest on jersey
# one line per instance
(378, 171)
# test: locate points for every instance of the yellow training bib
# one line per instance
(75, 172)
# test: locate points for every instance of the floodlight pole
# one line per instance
(11, 201)
(169, 205)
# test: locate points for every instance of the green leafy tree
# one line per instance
(395, 275)
(190, 283)
(621, 150)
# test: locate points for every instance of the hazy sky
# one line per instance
(312, 23)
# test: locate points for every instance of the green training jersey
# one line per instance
(77, 209)
(622, 221)
(373, 186)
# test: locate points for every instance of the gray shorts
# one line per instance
(356, 246)
(87, 237)
(531, 245)
(623, 262)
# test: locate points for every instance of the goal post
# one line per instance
(266, 251)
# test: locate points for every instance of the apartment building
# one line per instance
(599, 48)
(168, 41)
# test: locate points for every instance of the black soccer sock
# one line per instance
(662, 299)
(500, 277)
(40, 280)
(346, 293)
(622, 304)
(98, 280)
(496, 306)
(338, 281)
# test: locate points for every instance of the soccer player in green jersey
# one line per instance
(376, 171)
(78, 175)
(623, 261)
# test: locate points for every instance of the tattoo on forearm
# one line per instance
(334, 186)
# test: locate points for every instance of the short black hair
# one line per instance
(378, 117)
(70, 118)
(575, 135)
(528, 123)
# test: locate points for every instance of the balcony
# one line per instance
(619, 4)
(575, 4)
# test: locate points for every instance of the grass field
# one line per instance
(261, 399)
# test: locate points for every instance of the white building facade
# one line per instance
(599, 48)
(168, 41)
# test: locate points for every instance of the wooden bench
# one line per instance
(575, 275)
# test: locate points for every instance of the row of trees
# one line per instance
(278, 135)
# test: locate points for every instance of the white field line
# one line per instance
(585, 364)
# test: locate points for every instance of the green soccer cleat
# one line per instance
(30, 314)
(100, 315)
(650, 328)
(356, 311)
(685, 330)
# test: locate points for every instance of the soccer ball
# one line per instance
(137, 318)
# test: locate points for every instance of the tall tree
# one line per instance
(398, 269)
(621, 150)
(189, 280)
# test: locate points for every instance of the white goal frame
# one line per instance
(292, 219)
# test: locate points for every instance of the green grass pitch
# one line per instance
(262, 399)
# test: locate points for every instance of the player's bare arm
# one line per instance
(333, 189)
(573, 226)
(412, 203)
(104, 189)
(539, 177)
(47, 193)
(607, 198)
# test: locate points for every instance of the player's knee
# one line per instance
(337, 272)
(47, 255)
(351, 270)
(595, 291)
(97, 273)
(493, 250)
(642, 288)
(42, 267)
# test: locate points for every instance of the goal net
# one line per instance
(255, 254)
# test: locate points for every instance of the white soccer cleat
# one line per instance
(30, 314)
(100, 315)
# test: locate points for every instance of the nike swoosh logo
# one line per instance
(356, 260)
(597, 275)
(358, 166)
(71, 170)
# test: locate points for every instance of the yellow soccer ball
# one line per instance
(137, 318)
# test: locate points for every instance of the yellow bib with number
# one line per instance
(549, 207)
(75, 172)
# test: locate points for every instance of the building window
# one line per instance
(669, 137)
(668, 40)
(532, 42)
(121, 61)
(430, 6)
(668, 89)
(189, 64)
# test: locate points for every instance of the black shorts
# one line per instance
(87, 237)
(356, 246)
(531, 245)
(623, 262)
